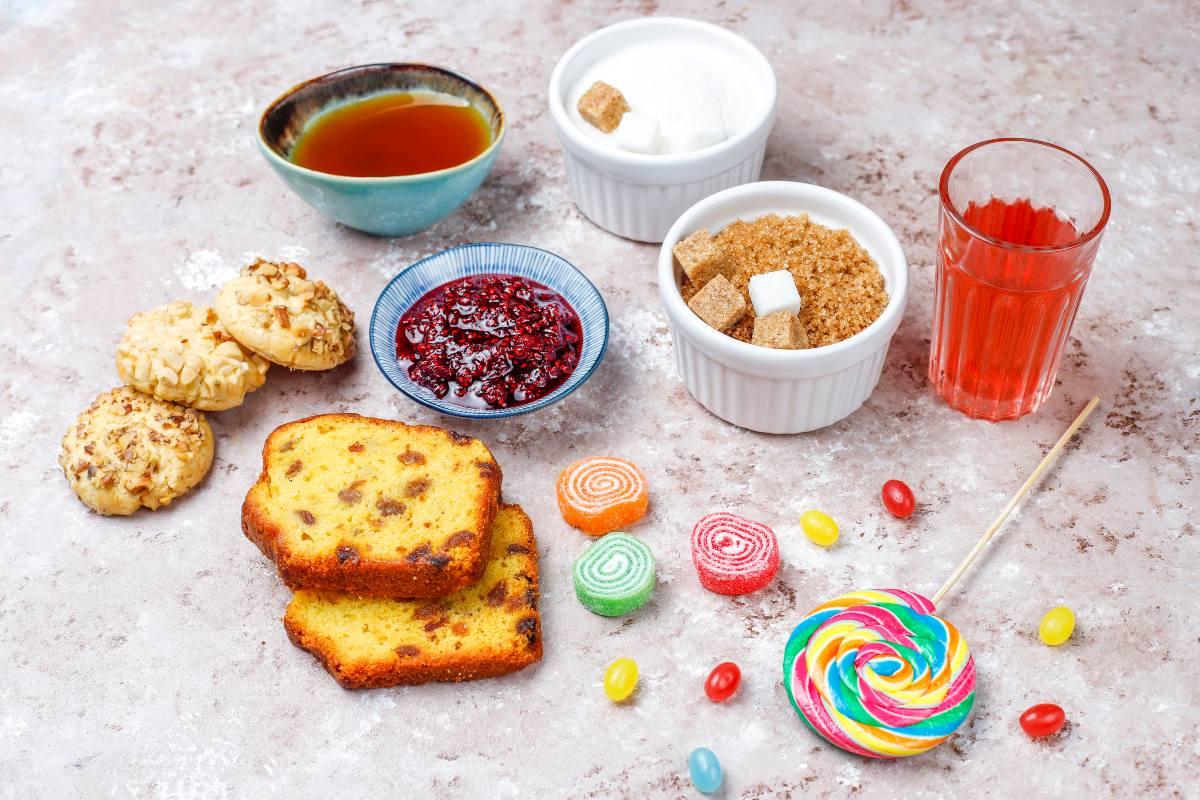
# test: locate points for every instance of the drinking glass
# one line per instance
(1019, 225)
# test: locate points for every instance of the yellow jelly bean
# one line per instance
(1057, 626)
(819, 527)
(620, 679)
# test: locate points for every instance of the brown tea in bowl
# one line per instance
(394, 133)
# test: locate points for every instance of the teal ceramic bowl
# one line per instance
(394, 206)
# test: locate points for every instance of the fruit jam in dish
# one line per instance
(490, 340)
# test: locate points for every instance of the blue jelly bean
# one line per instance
(706, 771)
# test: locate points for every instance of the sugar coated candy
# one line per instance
(877, 673)
(615, 575)
(599, 495)
(1057, 626)
(620, 679)
(734, 555)
(705, 770)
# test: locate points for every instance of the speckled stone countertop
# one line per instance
(144, 657)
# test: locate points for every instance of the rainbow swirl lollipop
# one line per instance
(878, 674)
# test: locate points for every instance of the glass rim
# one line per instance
(944, 195)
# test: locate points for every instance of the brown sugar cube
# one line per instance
(701, 258)
(718, 304)
(603, 106)
(781, 330)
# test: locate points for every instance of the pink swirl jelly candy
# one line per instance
(734, 555)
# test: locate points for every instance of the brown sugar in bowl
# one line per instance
(782, 391)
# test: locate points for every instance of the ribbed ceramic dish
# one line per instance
(638, 196)
(782, 391)
(479, 259)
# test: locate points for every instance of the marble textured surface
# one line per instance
(144, 657)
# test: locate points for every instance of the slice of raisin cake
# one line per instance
(373, 506)
(488, 629)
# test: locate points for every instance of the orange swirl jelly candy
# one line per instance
(599, 495)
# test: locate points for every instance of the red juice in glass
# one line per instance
(1019, 227)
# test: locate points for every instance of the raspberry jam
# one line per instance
(490, 341)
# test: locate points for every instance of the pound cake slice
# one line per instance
(489, 629)
(373, 506)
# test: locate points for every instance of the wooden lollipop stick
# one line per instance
(1016, 498)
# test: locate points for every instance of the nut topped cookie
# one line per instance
(129, 450)
(182, 353)
(276, 311)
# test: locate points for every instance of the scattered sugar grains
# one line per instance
(841, 288)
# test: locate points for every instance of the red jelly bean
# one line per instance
(722, 681)
(898, 499)
(1044, 719)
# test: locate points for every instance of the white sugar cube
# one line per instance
(775, 291)
(698, 127)
(637, 133)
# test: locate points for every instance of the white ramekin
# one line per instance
(638, 196)
(782, 391)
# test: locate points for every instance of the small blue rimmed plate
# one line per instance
(542, 266)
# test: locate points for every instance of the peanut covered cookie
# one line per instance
(182, 353)
(274, 310)
(129, 450)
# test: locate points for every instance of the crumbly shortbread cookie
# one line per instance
(182, 353)
(274, 310)
(130, 450)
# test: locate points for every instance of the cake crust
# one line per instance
(427, 561)
(424, 651)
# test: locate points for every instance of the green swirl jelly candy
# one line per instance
(615, 575)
